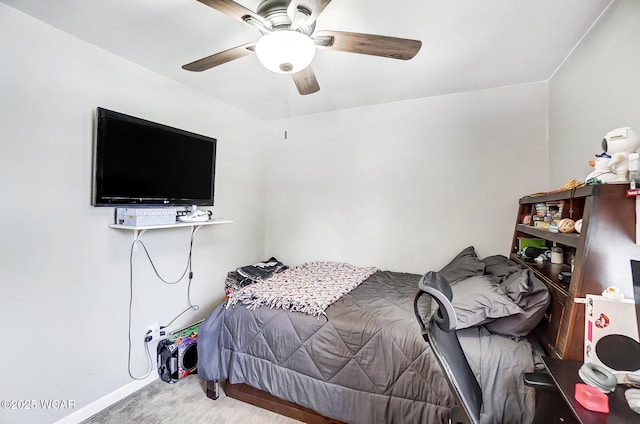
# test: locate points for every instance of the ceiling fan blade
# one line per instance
(220, 58)
(233, 9)
(306, 81)
(376, 45)
(314, 7)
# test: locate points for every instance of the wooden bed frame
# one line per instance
(264, 400)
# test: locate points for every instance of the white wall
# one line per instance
(597, 89)
(405, 186)
(65, 273)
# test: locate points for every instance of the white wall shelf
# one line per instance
(138, 231)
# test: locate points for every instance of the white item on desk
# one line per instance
(598, 376)
(605, 317)
(633, 398)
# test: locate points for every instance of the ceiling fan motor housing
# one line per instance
(275, 14)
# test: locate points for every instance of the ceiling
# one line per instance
(467, 45)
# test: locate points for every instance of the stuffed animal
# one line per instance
(602, 172)
(618, 144)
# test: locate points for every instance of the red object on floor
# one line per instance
(592, 398)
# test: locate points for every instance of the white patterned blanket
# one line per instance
(310, 288)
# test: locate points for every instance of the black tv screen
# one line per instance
(143, 163)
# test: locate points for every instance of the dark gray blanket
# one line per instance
(365, 362)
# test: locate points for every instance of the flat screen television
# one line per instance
(138, 163)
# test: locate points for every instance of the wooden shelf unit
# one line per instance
(601, 253)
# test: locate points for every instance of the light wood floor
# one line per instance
(184, 402)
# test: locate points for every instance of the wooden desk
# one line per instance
(565, 377)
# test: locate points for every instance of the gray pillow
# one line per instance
(465, 264)
(532, 296)
(500, 267)
(479, 299)
(517, 285)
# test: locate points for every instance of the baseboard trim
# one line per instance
(106, 401)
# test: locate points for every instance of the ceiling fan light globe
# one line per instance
(285, 51)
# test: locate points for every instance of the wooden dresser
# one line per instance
(600, 252)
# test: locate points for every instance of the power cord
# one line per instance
(191, 306)
(149, 361)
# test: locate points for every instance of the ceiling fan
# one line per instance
(288, 43)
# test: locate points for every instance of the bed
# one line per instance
(363, 358)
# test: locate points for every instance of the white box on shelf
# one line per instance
(140, 217)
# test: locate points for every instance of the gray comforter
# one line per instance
(365, 362)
